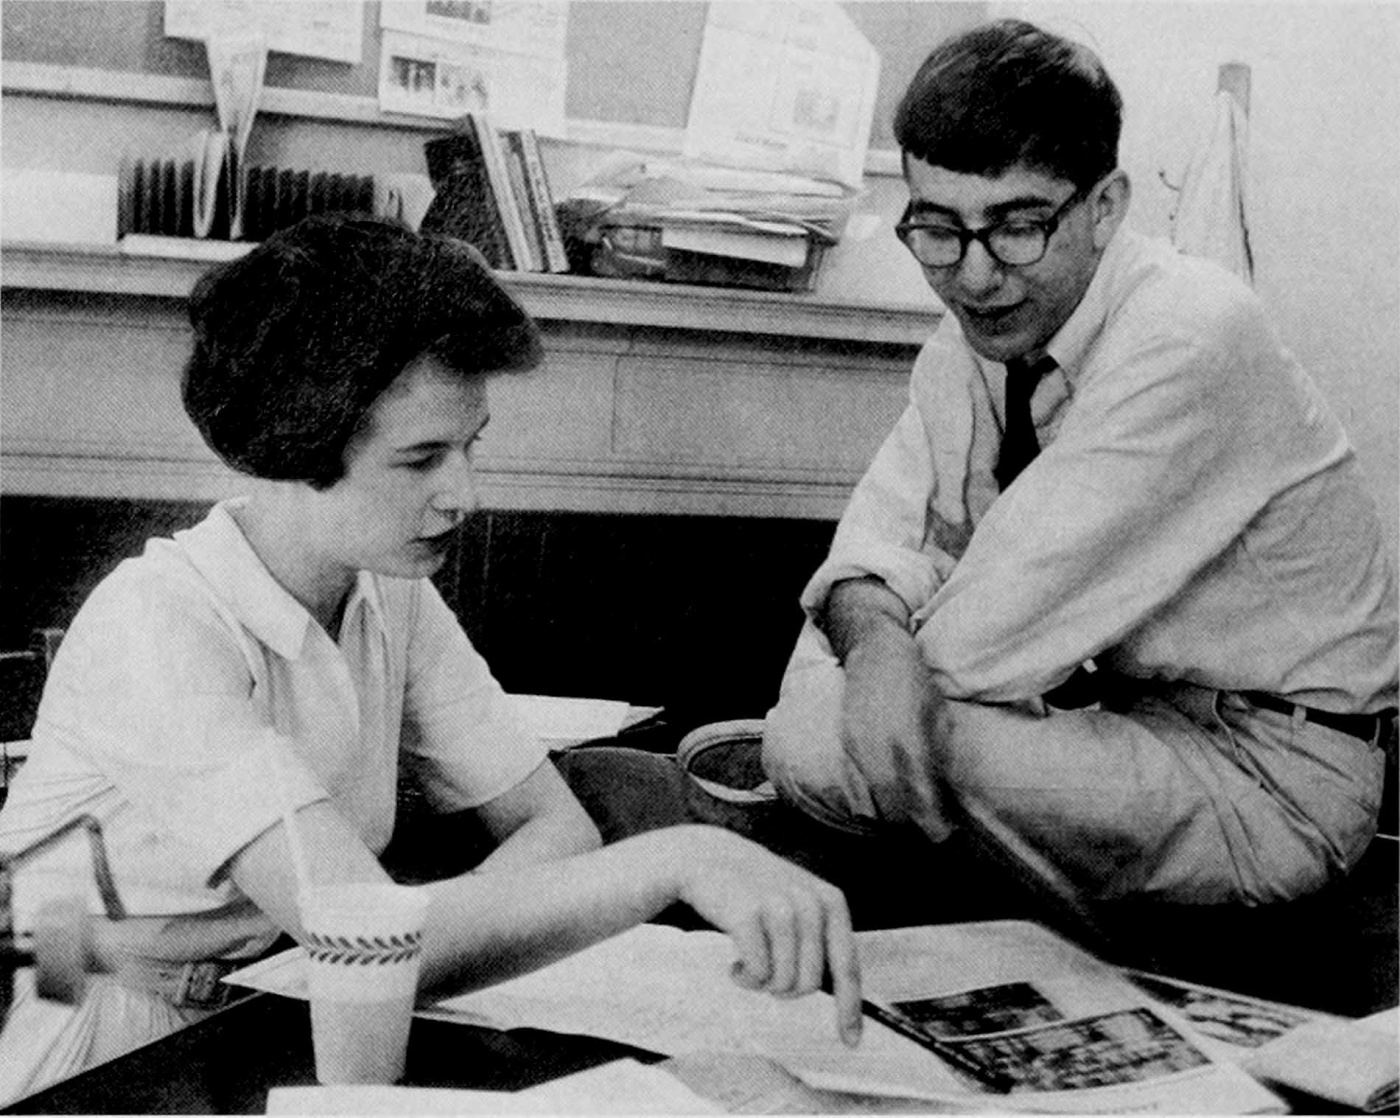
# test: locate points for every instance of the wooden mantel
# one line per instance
(109, 271)
(654, 398)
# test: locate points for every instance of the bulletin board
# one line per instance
(630, 62)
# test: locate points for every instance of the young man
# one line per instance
(1108, 460)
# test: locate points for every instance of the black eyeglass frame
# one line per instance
(1047, 226)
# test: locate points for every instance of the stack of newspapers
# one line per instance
(689, 222)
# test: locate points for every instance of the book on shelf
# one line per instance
(542, 201)
(493, 154)
(465, 203)
(520, 190)
(492, 190)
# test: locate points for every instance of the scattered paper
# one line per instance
(237, 65)
(620, 1087)
(537, 27)
(445, 59)
(1354, 1063)
(752, 215)
(210, 157)
(1229, 1025)
(332, 29)
(784, 87)
(561, 722)
(667, 991)
(57, 207)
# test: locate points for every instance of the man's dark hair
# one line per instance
(1007, 94)
(294, 342)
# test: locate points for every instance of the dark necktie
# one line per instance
(1018, 441)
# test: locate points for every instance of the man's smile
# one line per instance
(989, 319)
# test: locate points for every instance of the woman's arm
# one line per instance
(791, 930)
(536, 821)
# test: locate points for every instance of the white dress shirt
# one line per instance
(1196, 513)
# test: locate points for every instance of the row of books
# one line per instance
(492, 190)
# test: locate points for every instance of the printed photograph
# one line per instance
(1124, 1047)
(1235, 1020)
(994, 1009)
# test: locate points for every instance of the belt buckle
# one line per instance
(200, 986)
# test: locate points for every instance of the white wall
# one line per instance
(1324, 172)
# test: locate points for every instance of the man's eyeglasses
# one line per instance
(1015, 242)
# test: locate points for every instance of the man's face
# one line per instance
(1005, 310)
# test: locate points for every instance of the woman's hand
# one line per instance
(792, 930)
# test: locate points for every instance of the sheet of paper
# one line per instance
(445, 78)
(537, 27)
(1349, 1062)
(332, 29)
(1228, 1025)
(560, 722)
(59, 207)
(784, 87)
(668, 991)
(620, 1087)
(284, 974)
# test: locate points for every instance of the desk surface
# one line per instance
(228, 1063)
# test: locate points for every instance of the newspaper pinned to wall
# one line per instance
(786, 87)
(331, 29)
(444, 58)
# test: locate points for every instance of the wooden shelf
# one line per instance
(109, 271)
(654, 398)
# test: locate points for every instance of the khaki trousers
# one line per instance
(1178, 792)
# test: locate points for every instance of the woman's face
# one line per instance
(409, 480)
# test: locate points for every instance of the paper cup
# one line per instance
(363, 948)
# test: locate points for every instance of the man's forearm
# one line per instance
(859, 608)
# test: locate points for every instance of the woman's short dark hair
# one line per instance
(294, 342)
(1007, 94)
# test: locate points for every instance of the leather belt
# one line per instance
(1368, 727)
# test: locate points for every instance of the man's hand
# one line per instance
(891, 712)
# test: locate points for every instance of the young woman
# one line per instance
(293, 638)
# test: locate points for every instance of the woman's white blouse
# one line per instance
(190, 669)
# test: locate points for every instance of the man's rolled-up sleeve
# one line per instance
(1142, 487)
(882, 532)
